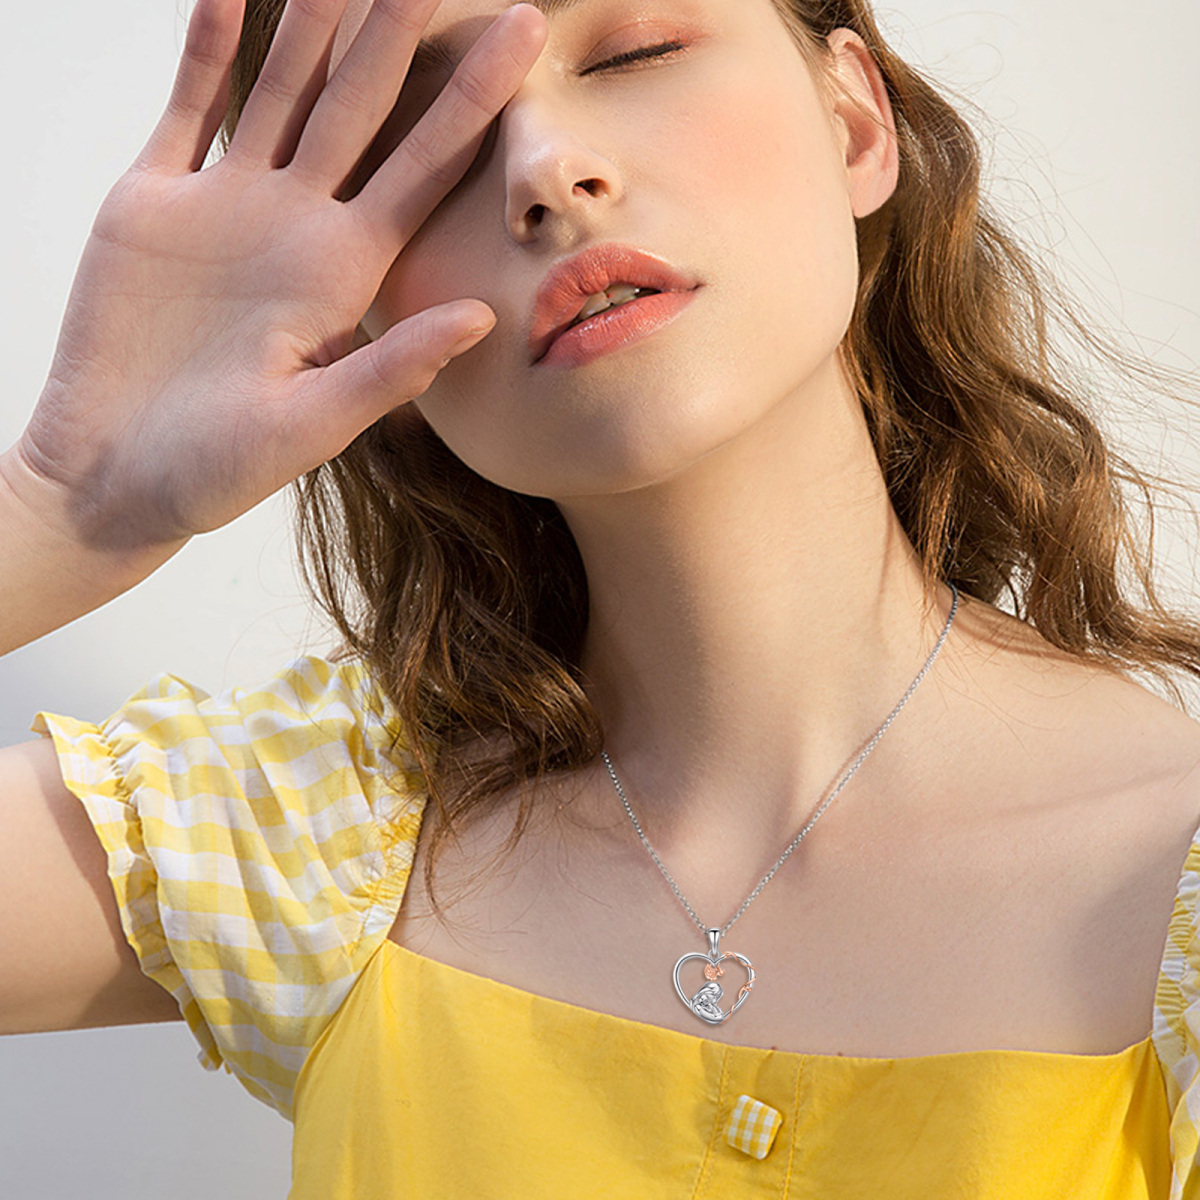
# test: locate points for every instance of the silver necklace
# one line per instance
(704, 1002)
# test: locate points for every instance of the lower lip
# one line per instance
(615, 328)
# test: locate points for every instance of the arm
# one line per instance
(66, 963)
(206, 359)
(50, 577)
(207, 355)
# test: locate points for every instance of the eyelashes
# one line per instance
(659, 50)
(626, 59)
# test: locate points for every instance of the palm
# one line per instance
(205, 357)
(220, 297)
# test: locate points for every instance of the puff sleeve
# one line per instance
(1177, 1028)
(258, 844)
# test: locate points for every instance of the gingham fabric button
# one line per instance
(753, 1126)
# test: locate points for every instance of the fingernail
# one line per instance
(472, 338)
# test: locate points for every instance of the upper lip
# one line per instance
(564, 290)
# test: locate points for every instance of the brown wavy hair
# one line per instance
(468, 602)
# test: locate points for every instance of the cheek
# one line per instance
(779, 212)
(438, 264)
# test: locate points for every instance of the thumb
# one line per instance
(378, 376)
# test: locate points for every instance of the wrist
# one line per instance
(51, 572)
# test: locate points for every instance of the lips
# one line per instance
(568, 286)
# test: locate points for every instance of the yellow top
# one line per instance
(258, 846)
(431, 1081)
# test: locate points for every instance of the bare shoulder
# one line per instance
(1075, 791)
(1093, 738)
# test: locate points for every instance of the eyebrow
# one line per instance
(436, 53)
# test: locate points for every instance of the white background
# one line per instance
(1089, 114)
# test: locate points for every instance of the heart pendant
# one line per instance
(704, 1002)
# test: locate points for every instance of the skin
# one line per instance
(718, 477)
(757, 609)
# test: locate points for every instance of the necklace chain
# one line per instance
(845, 779)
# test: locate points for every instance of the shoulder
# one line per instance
(1053, 722)
(1076, 766)
(1078, 787)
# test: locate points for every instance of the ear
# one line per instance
(866, 124)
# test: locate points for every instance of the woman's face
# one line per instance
(719, 155)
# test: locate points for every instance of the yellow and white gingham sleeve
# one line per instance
(258, 847)
(1177, 1028)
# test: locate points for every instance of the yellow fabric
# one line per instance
(259, 844)
(433, 1081)
(752, 1126)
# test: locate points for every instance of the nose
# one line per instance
(556, 179)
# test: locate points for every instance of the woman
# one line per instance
(696, 522)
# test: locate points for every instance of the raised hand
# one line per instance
(207, 353)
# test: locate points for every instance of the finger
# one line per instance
(396, 368)
(184, 134)
(414, 179)
(363, 90)
(289, 83)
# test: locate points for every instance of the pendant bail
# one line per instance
(714, 937)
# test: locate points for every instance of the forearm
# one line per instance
(49, 575)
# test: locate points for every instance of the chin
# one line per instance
(633, 420)
(603, 444)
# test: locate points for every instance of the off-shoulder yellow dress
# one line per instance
(258, 846)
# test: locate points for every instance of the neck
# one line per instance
(752, 622)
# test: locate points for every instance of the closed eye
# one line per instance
(660, 50)
(385, 143)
